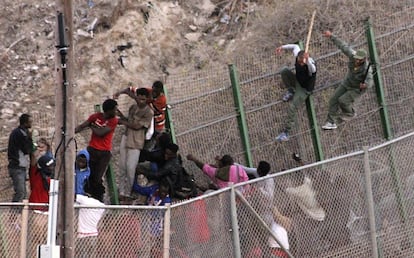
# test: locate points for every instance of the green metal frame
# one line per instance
(241, 117)
(168, 119)
(386, 125)
(113, 189)
(313, 124)
(385, 121)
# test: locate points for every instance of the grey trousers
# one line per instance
(18, 176)
(299, 97)
(342, 100)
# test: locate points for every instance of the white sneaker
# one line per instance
(329, 126)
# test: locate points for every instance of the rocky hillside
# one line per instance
(118, 42)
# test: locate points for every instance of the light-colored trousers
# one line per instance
(128, 161)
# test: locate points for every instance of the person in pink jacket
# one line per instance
(224, 173)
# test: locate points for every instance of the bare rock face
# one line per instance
(116, 43)
(122, 42)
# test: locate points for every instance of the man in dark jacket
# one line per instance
(19, 149)
(171, 170)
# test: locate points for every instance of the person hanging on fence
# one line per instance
(224, 173)
(103, 126)
(132, 142)
(180, 182)
(155, 156)
(358, 79)
(18, 153)
(300, 85)
(157, 102)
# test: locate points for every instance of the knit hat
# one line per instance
(360, 54)
(45, 164)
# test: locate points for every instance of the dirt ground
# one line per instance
(116, 43)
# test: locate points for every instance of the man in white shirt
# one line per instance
(300, 84)
(88, 220)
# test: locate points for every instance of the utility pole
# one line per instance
(64, 126)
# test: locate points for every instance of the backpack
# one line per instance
(185, 186)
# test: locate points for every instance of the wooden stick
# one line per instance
(13, 44)
(310, 31)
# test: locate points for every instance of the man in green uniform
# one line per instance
(357, 80)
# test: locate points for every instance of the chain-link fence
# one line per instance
(205, 116)
(203, 110)
(356, 205)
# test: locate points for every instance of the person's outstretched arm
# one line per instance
(342, 45)
(130, 91)
(199, 163)
(294, 47)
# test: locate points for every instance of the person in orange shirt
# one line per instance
(158, 104)
(157, 101)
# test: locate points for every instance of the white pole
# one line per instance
(23, 236)
(167, 231)
(52, 219)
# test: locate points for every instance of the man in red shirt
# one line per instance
(103, 126)
(40, 174)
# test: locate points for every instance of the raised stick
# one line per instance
(310, 31)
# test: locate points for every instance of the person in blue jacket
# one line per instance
(82, 171)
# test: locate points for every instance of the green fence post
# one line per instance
(168, 121)
(241, 114)
(378, 80)
(313, 124)
(316, 138)
(113, 189)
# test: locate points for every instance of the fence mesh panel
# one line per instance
(324, 209)
(202, 228)
(10, 226)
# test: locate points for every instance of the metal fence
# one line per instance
(205, 116)
(355, 205)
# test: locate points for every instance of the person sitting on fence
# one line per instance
(157, 102)
(41, 171)
(172, 172)
(358, 79)
(156, 155)
(300, 84)
(82, 171)
(224, 173)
